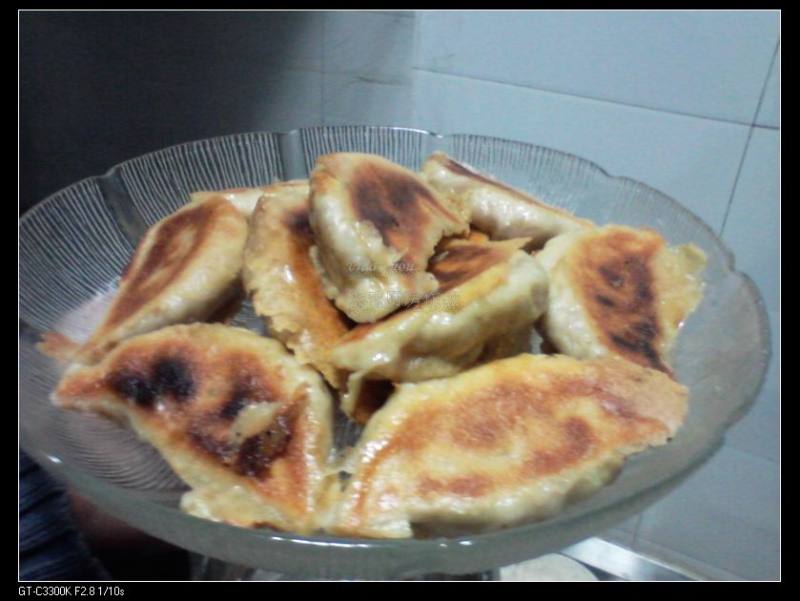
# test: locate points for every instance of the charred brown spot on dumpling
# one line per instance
(238, 401)
(145, 380)
(460, 263)
(249, 385)
(177, 241)
(390, 201)
(638, 345)
(397, 204)
(617, 284)
(173, 376)
(297, 222)
(612, 277)
(577, 440)
(604, 300)
(211, 443)
(257, 453)
(134, 387)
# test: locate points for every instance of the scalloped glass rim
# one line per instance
(341, 557)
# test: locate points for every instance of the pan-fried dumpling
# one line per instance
(376, 225)
(619, 290)
(486, 290)
(244, 199)
(234, 414)
(503, 443)
(186, 268)
(284, 285)
(499, 210)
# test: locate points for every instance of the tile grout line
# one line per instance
(766, 81)
(584, 97)
(749, 137)
(736, 181)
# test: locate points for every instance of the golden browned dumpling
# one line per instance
(499, 210)
(510, 441)
(283, 283)
(236, 416)
(619, 290)
(376, 225)
(486, 290)
(186, 268)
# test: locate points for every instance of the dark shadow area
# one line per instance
(100, 88)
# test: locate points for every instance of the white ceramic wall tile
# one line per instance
(287, 99)
(691, 159)
(751, 232)
(351, 99)
(378, 46)
(702, 63)
(769, 112)
(725, 515)
(751, 229)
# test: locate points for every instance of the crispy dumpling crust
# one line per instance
(506, 442)
(285, 287)
(186, 268)
(500, 210)
(486, 290)
(235, 415)
(376, 224)
(619, 290)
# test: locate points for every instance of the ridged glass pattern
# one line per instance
(74, 244)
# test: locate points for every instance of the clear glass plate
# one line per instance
(74, 244)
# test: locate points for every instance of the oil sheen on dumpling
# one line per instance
(497, 209)
(376, 224)
(503, 443)
(619, 290)
(487, 290)
(234, 414)
(284, 286)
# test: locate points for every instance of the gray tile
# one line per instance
(691, 159)
(724, 516)
(286, 100)
(769, 112)
(692, 567)
(709, 63)
(752, 227)
(351, 99)
(378, 46)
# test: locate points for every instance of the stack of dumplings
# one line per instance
(417, 305)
